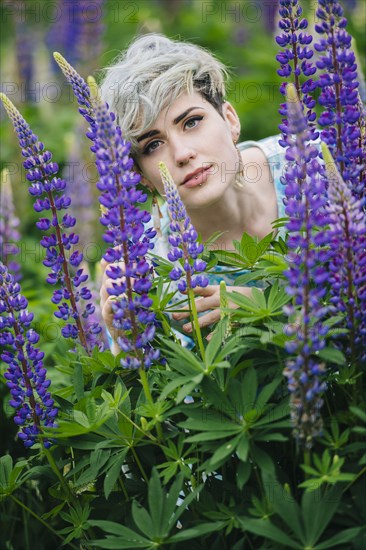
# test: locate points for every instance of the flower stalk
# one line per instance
(49, 188)
(185, 252)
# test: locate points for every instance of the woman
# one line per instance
(169, 100)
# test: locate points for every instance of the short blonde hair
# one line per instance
(152, 73)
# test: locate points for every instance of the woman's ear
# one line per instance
(232, 119)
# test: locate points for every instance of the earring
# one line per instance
(239, 179)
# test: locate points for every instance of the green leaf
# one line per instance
(243, 474)
(182, 360)
(143, 520)
(286, 507)
(264, 528)
(249, 389)
(332, 355)
(187, 388)
(318, 510)
(113, 472)
(198, 531)
(347, 535)
(209, 436)
(228, 448)
(359, 413)
(262, 459)
(173, 497)
(214, 344)
(266, 393)
(78, 380)
(134, 540)
(156, 497)
(243, 448)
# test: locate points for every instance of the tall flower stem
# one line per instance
(63, 482)
(145, 384)
(42, 521)
(195, 323)
(185, 251)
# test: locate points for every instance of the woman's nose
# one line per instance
(182, 152)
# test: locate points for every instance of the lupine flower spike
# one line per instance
(295, 59)
(26, 375)
(305, 206)
(49, 190)
(347, 241)
(125, 231)
(79, 87)
(185, 249)
(9, 235)
(339, 95)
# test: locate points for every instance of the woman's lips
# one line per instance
(198, 179)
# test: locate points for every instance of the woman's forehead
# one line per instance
(169, 113)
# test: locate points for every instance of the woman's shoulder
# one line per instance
(270, 146)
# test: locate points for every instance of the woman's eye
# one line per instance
(150, 148)
(192, 122)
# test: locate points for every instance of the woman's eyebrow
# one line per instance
(180, 117)
(151, 133)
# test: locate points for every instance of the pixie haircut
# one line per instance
(152, 73)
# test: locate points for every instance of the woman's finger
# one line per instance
(204, 320)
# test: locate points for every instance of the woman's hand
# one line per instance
(106, 301)
(209, 300)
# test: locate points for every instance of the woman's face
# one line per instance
(196, 144)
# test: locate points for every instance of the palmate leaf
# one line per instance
(113, 471)
(306, 524)
(264, 528)
(181, 359)
(262, 305)
(156, 522)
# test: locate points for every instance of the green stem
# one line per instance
(306, 460)
(195, 324)
(147, 392)
(44, 523)
(123, 488)
(139, 465)
(138, 428)
(63, 482)
(355, 479)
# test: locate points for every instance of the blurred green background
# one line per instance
(90, 34)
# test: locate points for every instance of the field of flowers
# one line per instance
(255, 437)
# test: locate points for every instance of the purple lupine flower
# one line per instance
(305, 205)
(78, 30)
(79, 87)
(95, 314)
(49, 190)
(269, 8)
(134, 321)
(347, 242)
(339, 95)
(24, 48)
(125, 231)
(9, 235)
(185, 252)
(184, 247)
(25, 375)
(295, 59)
(90, 43)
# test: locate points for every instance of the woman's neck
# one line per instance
(237, 211)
